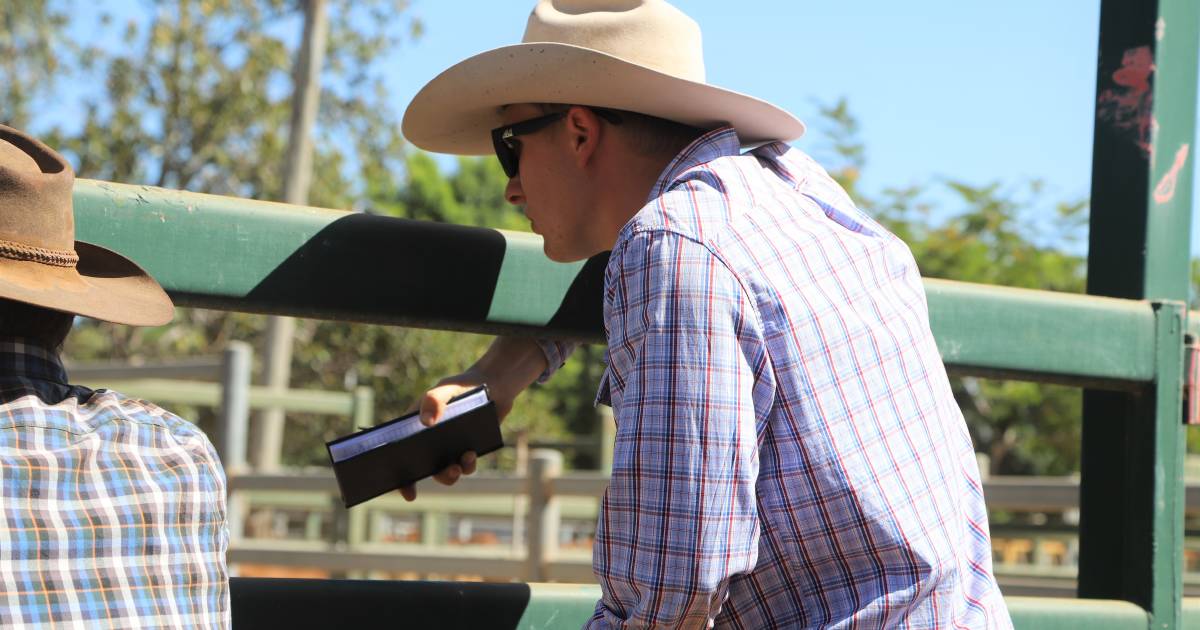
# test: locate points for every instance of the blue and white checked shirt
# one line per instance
(113, 509)
(788, 450)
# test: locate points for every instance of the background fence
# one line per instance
(473, 530)
(530, 527)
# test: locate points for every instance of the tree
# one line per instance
(992, 234)
(30, 33)
(196, 98)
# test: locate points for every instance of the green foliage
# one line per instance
(473, 194)
(1194, 297)
(993, 234)
(840, 145)
(198, 98)
(31, 31)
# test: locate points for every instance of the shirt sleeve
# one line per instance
(679, 517)
(557, 353)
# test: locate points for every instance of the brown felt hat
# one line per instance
(42, 264)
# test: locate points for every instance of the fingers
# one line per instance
(452, 473)
(468, 463)
(449, 475)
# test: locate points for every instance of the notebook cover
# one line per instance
(385, 468)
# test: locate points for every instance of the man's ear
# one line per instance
(583, 132)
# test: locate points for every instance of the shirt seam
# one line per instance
(118, 418)
(746, 293)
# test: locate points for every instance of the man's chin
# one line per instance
(563, 259)
(560, 256)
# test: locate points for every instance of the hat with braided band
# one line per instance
(42, 264)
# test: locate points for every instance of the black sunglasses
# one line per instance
(506, 150)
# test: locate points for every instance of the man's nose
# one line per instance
(513, 192)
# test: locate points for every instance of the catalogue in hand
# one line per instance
(401, 451)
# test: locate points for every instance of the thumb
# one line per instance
(432, 406)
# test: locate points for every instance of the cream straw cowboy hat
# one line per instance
(637, 55)
(41, 263)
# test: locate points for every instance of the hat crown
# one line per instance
(651, 33)
(36, 185)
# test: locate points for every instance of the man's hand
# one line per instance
(507, 368)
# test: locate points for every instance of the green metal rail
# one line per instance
(326, 603)
(357, 404)
(193, 242)
(558, 606)
(236, 253)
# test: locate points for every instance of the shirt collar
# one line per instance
(25, 359)
(717, 143)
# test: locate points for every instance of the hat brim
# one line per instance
(455, 111)
(103, 285)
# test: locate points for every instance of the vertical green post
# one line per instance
(1131, 506)
(608, 437)
(362, 408)
(1168, 491)
(362, 414)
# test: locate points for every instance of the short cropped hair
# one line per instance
(648, 135)
(44, 326)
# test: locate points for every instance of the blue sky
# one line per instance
(978, 91)
(972, 90)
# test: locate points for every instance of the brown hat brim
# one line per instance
(104, 285)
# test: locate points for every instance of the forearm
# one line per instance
(510, 365)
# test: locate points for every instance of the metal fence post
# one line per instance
(232, 426)
(235, 406)
(349, 527)
(362, 408)
(608, 437)
(340, 529)
(1130, 506)
(520, 501)
(544, 517)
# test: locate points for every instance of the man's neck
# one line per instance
(21, 357)
(633, 178)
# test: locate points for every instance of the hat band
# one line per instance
(55, 257)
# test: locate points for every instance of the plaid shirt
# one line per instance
(788, 450)
(114, 510)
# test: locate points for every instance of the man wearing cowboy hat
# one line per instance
(114, 509)
(788, 450)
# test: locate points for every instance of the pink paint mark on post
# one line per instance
(1165, 190)
(1127, 105)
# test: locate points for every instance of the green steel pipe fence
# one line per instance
(1131, 496)
(238, 254)
(246, 255)
(221, 252)
(296, 603)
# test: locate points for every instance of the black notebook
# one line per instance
(401, 451)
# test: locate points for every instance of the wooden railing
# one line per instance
(538, 527)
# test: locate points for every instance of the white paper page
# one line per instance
(393, 433)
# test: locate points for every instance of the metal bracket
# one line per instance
(1191, 381)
